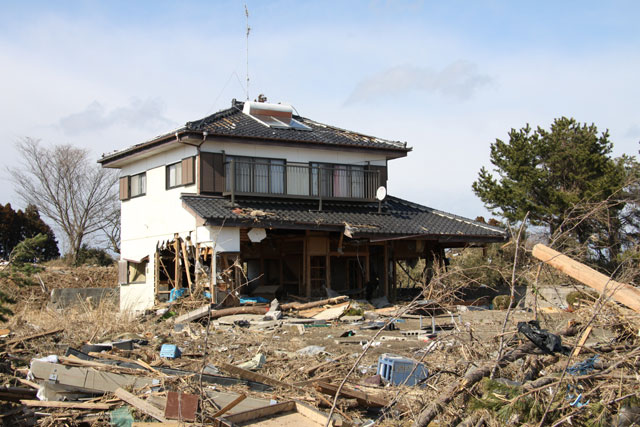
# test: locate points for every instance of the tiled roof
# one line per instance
(233, 122)
(397, 218)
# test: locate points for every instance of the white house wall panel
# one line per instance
(293, 154)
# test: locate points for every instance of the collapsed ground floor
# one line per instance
(288, 249)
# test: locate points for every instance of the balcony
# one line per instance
(271, 177)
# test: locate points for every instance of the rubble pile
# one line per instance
(334, 361)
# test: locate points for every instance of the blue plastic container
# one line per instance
(170, 351)
(398, 370)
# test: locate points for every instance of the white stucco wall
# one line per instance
(294, 154)
(155, 217)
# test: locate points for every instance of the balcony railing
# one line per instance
(351, 182)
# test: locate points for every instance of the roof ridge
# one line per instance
(220, 114)
(387, 141)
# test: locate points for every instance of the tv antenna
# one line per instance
(246, 13)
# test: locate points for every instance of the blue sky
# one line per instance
(447, 77)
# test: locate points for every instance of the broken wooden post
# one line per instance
(187, 266)
(177, 273)
(621, 292)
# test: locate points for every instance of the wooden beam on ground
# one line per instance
(141, 405)
(34, 336)
(620, 292)
(365, 399)
(298, 306)
(254, 376)
(215, 314)
(66, 405)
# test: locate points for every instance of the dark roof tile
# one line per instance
(399, 217)
(233, 122)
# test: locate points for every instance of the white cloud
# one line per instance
(458, 80)
(143, 114)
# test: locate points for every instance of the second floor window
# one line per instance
(346, 181)
(174, 175)
(138, 185)
(256, 175)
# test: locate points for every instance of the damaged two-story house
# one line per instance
(257, 200)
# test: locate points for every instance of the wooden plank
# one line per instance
(298, 306)
(254, 376)
(193, 315)
(167, 424)
(86, 379)
(621, 292)
(34, 336)
(97, 365)
(140, 404)
(312, 414)
(66, 405)
(255, 414)
(231, 405)
(332, 313)
(583, 339)
(363, 398)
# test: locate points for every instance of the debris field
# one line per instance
(333, 361)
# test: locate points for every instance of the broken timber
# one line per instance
(365, 399)
(298, 306)
(254, 376)
(306, 416)
(621, 292)
(67, 405)
(30, 337)
(140, 404)
(204, 311)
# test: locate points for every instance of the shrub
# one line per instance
(574, 298)
(501, 302)
(93, 256)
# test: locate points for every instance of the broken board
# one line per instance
(86, 379)
(292, 414)
(333, 312)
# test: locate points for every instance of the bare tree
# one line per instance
(67, 187)
(111, 227)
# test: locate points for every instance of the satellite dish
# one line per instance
(381, 193)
